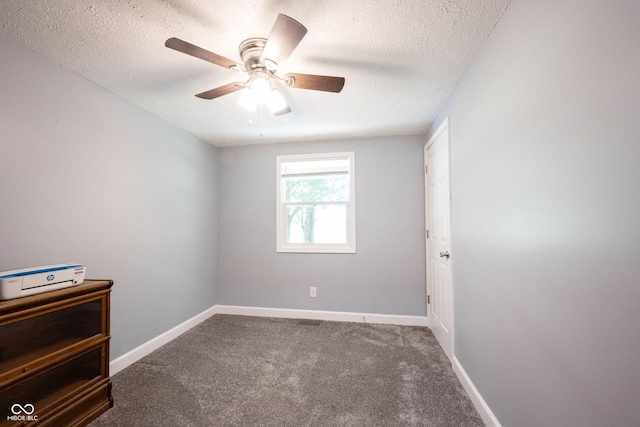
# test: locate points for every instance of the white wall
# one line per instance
(546, 212)
(86, 177)
(385, 276)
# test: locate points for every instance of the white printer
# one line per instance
(30, 281)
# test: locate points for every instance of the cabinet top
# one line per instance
(86, 287)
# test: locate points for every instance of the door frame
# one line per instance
(444, 127)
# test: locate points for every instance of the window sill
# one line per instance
(317, 249)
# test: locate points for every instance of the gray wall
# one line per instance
(385, 276)
(87, 177)
(546, 213)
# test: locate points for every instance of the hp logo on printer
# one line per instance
(50, 277)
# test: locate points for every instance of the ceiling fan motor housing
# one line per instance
(251, 51)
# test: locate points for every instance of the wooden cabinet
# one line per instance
(54, 357)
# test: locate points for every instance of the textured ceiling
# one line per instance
(400, 58)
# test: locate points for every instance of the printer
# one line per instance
(31, 281)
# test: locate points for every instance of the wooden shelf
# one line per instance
(54, 355)
(45, 357)
(54, 398)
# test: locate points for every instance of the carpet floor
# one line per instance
(251, 371)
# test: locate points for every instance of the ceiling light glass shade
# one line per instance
(261, 89)
(248, 100)
(277, 103)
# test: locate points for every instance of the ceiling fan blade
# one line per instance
(285, 36)
(222, 90)
(198, 52)
(314, 82)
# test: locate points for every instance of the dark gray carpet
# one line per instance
(250, 371)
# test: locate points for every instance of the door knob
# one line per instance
(444, 254)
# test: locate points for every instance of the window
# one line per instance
(316, 203)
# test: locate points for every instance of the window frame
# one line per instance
(281, 207)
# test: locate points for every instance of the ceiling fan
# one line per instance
(261, 57)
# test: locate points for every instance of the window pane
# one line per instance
(316, 203)
(327, 188)
(315, 166)
(317, 224)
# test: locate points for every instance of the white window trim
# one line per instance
(281, 243)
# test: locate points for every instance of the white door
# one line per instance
(438, 203)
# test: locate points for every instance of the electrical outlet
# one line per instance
(312, 291)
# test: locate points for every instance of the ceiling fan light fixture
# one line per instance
(261, 88)
(260, 92)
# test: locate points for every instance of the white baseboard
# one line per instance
(481, 406)
(119, 363)
(336, 316)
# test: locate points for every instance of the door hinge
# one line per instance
(428, 299)
(426, 170)
(427, 234)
